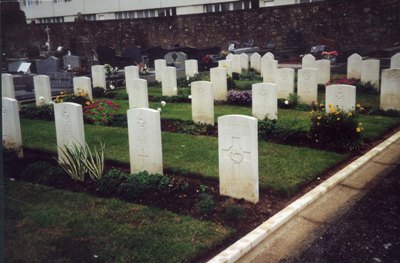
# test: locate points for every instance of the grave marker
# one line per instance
(219, 83)
(285, 82)
(264, 101)
(255, 62)
(191, 67)
(50, 64)
(227, 64)
(42, 88)
(236, 65)
(138, 94)
(269, 71)
(145, 146)
(99, 76)
(354, 66)
(131, 74)
(370, 69)
(169, 82)
(83, 84)
(264, 60)
(324, 70)
(69, 126)
(307, 86)
(341, 96)
(244, 61)
(395, 61)
(11, 126)
(7, 86)
(308, 61)
(159, 67)
(390, 89)
(238, 157)
(71, 61)
(202, 102)
(176, 59)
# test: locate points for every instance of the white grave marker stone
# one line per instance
(219, 83)
(11, 126)
(191, 67)
(390, 89)
(270, 69)
(131, 74)
(169, 83)
(145, 146)
(265, 101)
(227, 64)
(42, 88)
(395, 61)
(264, 60)
(341, 96)
(238, 157)
(308, 61)
(138, 94)
(69, 126)
(83, 84)
(324, 70)
(7, 86)
(202, 102)
(159, 67)
(99, 76)
(285, 82)
(307, 86)
(370, 69)
(354, 66)
(236, 65)
(255, 62)
(244, 61)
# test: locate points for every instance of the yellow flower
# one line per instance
(333, 110)
(350, 114)
(358, 105)
(330, 105)
(361, 108)
(358, 129)
(87, 103)
(62, 92)
(337, 112)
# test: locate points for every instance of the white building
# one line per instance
(57, 11)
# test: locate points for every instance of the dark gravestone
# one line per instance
(14, 66)
(61, 80)
(176, 59)
(73, 61)
(50, 64)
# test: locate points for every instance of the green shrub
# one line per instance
(205, 203)
(273, 129)
(31, 111)
(250, 75)
(44, 173)
(232, 212)
(80, 96)
(109, 184)
(185, 82)
(290, 102)
(337, 129)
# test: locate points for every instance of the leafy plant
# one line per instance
(250, 75)
(336, 129)
(31, 111)
(100, 112)
(43, 173)
(81, 97)
(205, 203)
(232, 212)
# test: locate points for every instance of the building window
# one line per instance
(225, 7)
(90, 17)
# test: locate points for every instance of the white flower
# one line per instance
(187, 77)
(190, 96)
(12, 179)
(95, 256)
(69, 67)
(159, 109)
(116, 69)
(286, 102)
(112, 86)
(41, 98)
(163, 103)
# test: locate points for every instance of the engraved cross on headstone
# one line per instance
(236, 155)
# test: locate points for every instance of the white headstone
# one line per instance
(191, 67)
(229, 57)
(390, 89)
(264, 101)
(11, 126)
(285, 82)
(324, 70)
(69, 126)
(219, 83)
(99, 76)
(138, 94)
(307, 86)
(83, 84)
(159, 66)
(7, 86)
(370, 70)
(264, 60)
(255, 62)
(131, 74)
(202, 102)
(238, 157)
(269, 71)
(236, 65)
(145, 146)
(341, 96)
(270, 55)
(244, 61)
(354, 66)
(227, 64)
(395, 61)
(41, 84)
(169, 83)
(308, 61)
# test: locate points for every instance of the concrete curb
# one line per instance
(256, 236)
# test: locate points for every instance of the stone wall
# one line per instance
(355, 25)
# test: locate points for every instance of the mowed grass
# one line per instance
(43, 224)
(281, 167)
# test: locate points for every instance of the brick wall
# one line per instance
(355, 24)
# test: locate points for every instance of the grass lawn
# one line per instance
(43, 224)
(281, 167)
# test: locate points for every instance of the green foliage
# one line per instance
(43, 173)
(277, 131)
(185, 82)
(78, 160)
(290, 102)
(232, 212)
(98, 92)
(250, 75)
(131, 186)
(205, 203)
(230, 82)
(81, 97)
(337, 129)
(31, 111)
(100, 112)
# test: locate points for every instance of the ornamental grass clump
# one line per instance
(336, 129)
(100, 112)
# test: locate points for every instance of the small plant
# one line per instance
(81, 97)
(31, 111)
(336, 129)
(100, 112)
(43, 173)
(78, 160)
(205, 203)
(185, 82)
(290, 102)
(250, 75)
(240, 97)
(232, 212)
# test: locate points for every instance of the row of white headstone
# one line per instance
(238, 143)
